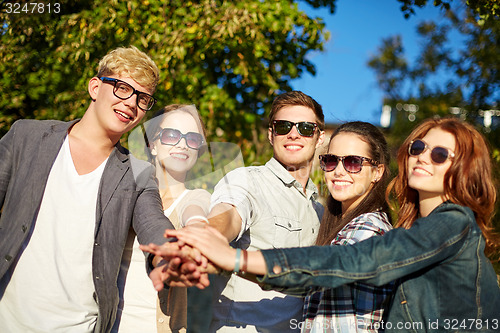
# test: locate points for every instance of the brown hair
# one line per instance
(129, 61)
(333, 221)
(292, 98)
(468, 182)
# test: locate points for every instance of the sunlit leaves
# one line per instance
(229, 58)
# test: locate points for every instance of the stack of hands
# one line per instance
(185, 262)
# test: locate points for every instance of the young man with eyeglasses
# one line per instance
(269, 206)
(69, 193)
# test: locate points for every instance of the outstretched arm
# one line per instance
(378, 260)
(213, 245)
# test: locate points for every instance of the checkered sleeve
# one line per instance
(355, 307)
(363, 227)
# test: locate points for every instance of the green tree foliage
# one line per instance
(482, 8)
(228, 58)
(443, 81)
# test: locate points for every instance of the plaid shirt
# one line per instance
(355, 307)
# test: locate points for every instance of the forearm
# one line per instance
(377, 261)
(225, 219)
(149, 221)
(194, 215)
(284, 273)
(252, 265)
(255, 263)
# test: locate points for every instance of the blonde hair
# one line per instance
(130, 61)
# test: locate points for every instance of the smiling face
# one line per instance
(178, 159)
(114, 115)
(351, 188)
(293, 150)
(426, 176)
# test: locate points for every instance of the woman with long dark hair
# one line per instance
(356, 173)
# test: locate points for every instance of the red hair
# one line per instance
(468, 182)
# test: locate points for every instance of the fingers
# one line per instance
(182, 266)
(188, 256)
(171, 233)
(174, 264)
(203, 282)
(167, 251)
(186, 275)
(190, 270)
(204, 261)
(157, 277)
(196, 255)
(212, 269)
(194, 237)
(151, 248)
(179, 276)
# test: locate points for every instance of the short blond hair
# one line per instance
(130, 61)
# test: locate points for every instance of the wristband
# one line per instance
(245, 261)
(197, 217)
(237, 261)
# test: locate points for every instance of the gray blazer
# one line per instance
(126, 198)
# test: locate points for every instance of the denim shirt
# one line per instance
(444, 280)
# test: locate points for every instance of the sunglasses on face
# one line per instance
(283, 127)
(352, 163)
(171, 137)
(124, 91)
(438, 154)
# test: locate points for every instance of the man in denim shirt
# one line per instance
(269, 206)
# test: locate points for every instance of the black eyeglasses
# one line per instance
(352, 163)
(438, 154)
(172, 136)
(123, 91)
(283, 127)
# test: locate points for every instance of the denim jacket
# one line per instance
(444, 280)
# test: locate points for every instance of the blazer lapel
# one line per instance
(112, 175)
(49, 147)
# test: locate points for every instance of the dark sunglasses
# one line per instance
(352, 163)
(438, 154)
(283, 127)
(171, 137)
(124, 91)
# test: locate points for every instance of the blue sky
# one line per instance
(344, 85)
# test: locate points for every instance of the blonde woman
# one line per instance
(176, 139)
